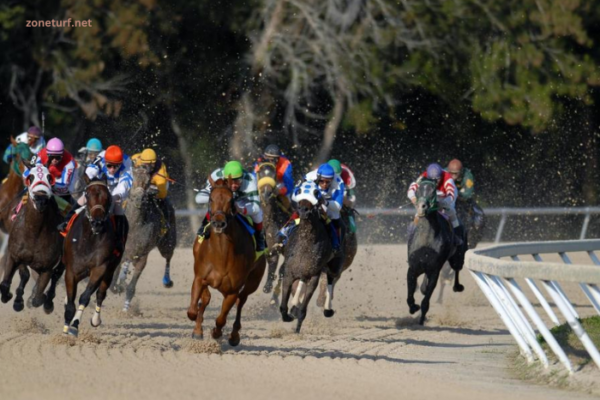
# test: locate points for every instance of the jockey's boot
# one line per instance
(458, 236)
(62, 227)
(201, 231)
(335, 237)
(259, 236)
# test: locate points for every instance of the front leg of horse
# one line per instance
(457, 286)
(84, 300)
(411, 283)
(39, 297)
(49, 301)
(198, 332)
(140, 264)
(272, 261)
(234, 338)
(328, 305)
(310, 290)
(19, 303)
(120, 277)
(228, 303)
(285, 298)
(167, 282)
(100, 296)
(9, 273)
(433, 279)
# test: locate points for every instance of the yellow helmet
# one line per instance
(148, 156)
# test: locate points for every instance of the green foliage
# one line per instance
(569, 341)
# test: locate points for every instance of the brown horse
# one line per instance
(11, 188)
(144, 218)
(275, 217)
(35, 242)
(90, 252)
(226, 261)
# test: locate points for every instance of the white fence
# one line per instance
(503, 213)
(496, 278)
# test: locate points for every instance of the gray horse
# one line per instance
(147, 230)
(431, 243)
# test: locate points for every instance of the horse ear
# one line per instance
(28, 180)
(13, 141)
(86, 179)
(211, 181)
(229, 181)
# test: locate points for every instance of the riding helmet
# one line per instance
(336, 164)
(114, 154)
(233, 170)
(55, 146)
(434, 171)
(326, 171)
(34, 131)
(93, 145)
(148, 156)
(455, 166)
(272, 150)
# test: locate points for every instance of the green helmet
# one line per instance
(337, 166)
(233, 170)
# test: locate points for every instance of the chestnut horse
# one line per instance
(90, 252)
(34, 242)
(11, 188)
(227, 262)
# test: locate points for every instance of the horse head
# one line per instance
(98, 203)
(426, 197)
(308, 197)
(141, 187)
(220, 205)
(39, 185)
(266, 175)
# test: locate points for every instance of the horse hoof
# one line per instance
(267, 288)
(6, 297)
(216, 334)
(18, 306)
(328, 313)
(458, 288)
(167, 283)
(422, 321)
(73, 331)
(286, 317)
(29, 303)
(234, 340)
(38, 302)
(197, 337)
(49, 308)
(414, 308)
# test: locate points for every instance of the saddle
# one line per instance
(247, 223)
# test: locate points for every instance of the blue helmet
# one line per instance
(94, 145)
(326, 171)
(434, 171)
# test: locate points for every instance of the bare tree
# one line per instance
(306, 47)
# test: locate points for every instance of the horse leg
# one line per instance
(166, 247)
(38, 297)
(310, 290)
(9, 273)
(288, 281)
(120, 277)
(51, 293)
(322, 291)
(328, 311)
(198, 333)
(197, 288)
(93, 284)
(19, 303)
(100, 296)
(430, 288)
(228, 302)
(252, 283)
(457, 286)
(277, 290)
(140, 264)
(411, 281)
(272, 260)
(167, 282)
(35, 277)
(71, 287)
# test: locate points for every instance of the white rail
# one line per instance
(496, 278)
(503, 213)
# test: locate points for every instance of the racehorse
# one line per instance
(11, 188)
(147, 231)
(473, 219)
(35, 242)
(308, 253)
(275, 216)
(89, 251)
(431, 243)
(226, 262)
(350, 243)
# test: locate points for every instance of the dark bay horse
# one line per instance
(35, 242)
(430, 245)
(11, 188)
(226, 262)
(275, 217)
(350, 243)
(145, 233)
(90, 251)
(308, 253)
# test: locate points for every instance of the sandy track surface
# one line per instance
(370, 348)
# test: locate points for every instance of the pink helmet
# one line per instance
(55, 146)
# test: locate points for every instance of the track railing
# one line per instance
(496, 278)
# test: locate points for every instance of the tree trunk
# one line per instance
(242, 143)
(590, 176)
(330, 130)
(187, 171)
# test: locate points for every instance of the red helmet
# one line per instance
(113, 154)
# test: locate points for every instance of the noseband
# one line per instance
(219, 212)
(94, 223)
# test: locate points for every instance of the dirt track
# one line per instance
(369, 349)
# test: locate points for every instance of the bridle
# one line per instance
(95, 223)
(232, 212)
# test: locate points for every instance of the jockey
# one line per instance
(115, 166)
(349, 181)
(33, 137)
(61, 165)
(283, 168)
(332, 189)
(465, 183)
(446, 194)
(245, 195)
(86, 155)
(160, 179)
